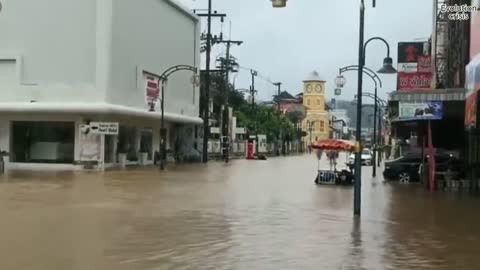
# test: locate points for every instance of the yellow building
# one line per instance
(316, 121)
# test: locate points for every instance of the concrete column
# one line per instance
(101, 162)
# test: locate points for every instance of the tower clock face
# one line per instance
(309, 88)
(319, 88)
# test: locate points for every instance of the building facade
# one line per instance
(70, 63)
(316, 122)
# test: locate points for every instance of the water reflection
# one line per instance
(241, 215)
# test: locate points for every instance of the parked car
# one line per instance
(406, 169)
(367, 157)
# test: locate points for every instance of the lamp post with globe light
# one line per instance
(387, 69)
(341, 81)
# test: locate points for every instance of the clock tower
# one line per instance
(316, 122)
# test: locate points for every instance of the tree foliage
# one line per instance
(256, 118)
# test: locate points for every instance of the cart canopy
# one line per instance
(334, 144)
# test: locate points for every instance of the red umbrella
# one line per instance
(333, 144)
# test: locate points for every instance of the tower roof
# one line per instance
(314, 77)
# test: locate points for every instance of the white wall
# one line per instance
(51, 46)
(153, 35)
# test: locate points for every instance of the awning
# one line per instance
(451, 94)
(93, 108)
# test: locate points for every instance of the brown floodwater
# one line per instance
(243, 215)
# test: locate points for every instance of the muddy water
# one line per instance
(244, 215)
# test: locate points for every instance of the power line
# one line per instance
(259, 74)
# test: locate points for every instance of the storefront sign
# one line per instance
(409, 81)
(414, 66)
(424, 64)
(240, 130)
(407, 67)
(104, 128)
(432, 110)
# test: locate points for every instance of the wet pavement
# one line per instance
(242, 215)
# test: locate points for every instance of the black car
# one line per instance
(406, 169)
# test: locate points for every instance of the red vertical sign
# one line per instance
(475, 30)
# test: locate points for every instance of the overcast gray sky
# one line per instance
(287, 44)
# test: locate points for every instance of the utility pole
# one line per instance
(252, 93)
(252, 88)
(279, 89)
(206, 98)
(226, 66)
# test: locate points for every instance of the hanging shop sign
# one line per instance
(432, 110)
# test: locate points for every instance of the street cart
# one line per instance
(333, 176)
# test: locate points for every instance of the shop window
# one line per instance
(43, 142)
(322, 126)
(127, 142)
(146, 142)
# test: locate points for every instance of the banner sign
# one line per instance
(152, 91)
(89, 144)
(471, 111)
(432, 110)
(472, 85)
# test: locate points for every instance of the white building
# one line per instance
(67, 62)
(340, 114)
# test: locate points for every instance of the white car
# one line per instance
(367, 157)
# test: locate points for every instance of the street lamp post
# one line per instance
(310, 129)
(381, 105)
(387, 68)
(279, 108)
(341, 81)
(163, 132)
(206, 102)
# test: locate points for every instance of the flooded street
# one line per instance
(244, 215)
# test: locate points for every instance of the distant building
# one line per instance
(340, 114)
